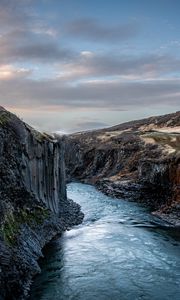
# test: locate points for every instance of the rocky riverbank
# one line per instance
(33, 203)
(138, 161)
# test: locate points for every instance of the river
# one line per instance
(119, 252)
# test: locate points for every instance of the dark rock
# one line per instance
(33, 203)
(138, 160)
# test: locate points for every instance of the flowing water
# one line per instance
(119, 252)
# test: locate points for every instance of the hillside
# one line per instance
(138, 160)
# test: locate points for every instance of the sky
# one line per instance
(73, 65)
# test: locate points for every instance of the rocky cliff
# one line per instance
(33, 203)
(138, 160)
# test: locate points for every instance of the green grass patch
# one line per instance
(4, 117)
(10, 228)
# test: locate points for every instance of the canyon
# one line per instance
(137, 161)
(33, 203)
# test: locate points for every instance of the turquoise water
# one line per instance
(119, 252)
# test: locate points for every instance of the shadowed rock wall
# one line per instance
(31, 161)
(33, 203)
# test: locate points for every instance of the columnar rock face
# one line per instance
(33, 203)
(43, 170)
(39, 159)
(138, 160)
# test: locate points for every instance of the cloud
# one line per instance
(11, 15)
(103, 80)
(8, 72)
(93, 30)
(18, 14)
(102, 94)
(24, 45)
(26, 37)
(128, 67)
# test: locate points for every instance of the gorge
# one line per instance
(119, 252)
(33, 204)
(138, 161)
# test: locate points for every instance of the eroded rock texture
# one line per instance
(37, 160)
(33, 203)
(138, 160)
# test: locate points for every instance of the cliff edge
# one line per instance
(33, 204)
(138, 161)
